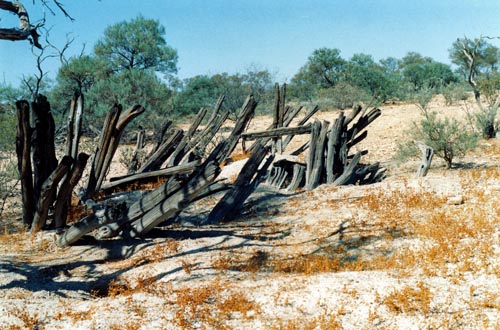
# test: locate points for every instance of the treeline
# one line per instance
(133, 64)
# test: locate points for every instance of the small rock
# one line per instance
(455, 200)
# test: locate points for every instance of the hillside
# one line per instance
(405, 253)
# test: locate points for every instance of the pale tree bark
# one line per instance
(25, 31)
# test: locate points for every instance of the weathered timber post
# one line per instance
(44, 151)
(139, 146)
(23, 151)
(427, 154)
(242, 187)
(318, 163)
(74, 125)
(303, 121)
(160, 137)
(48, 193)
(102, 149)
(113, 128)
(276, 110)
(315, 131)
(155, 161)
(333, 164)
(63, 199)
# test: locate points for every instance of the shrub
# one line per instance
(343, 96)
(485, 121)
(448, 137)
(455, 92)
(8, 162)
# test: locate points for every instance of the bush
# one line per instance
(484, 121)
(455, 92)
(343, 96)
(448, 137)
(8, 161)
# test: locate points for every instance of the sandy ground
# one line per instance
(405, 253)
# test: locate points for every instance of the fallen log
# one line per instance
(175, 203)
(277, 132)
(89, 223)
(118, 182)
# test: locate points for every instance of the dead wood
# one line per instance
(48, 193)
(146, 177)
(427, 154)
(42, 140)
(242, 187)
(65, 190)
(23, 151)
(154, 162)
(139, 146)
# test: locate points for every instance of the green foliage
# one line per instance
(428, 75)
(479, 62)
(131, 87)
(203, 91)
(137, 44)
(486, 55)
(364, 73)
(484, 121)
(8, 124)
(455, 92)
(8, 161)
(199, 91)
(489, 85)
(342, 96)
(9, 95)
(448, 137)
(123, 70)
(324, 68)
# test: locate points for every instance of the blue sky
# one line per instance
(214, 36)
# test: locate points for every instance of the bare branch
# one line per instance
(26, 31)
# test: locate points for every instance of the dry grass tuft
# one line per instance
(409, 300)
(212, 305)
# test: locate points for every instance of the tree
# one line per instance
(363, 72)
(203, 91)
(137, 44)
(324, 68)
(81, 73)
(390, 64)
(424, 72)
(199, 91)
(479, 61)
(131, 87)
(483, 56)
